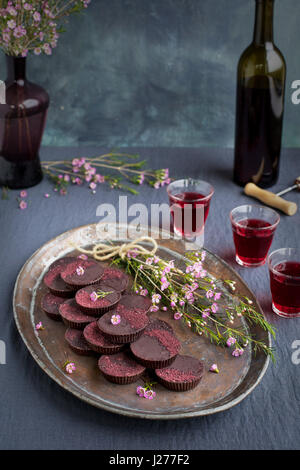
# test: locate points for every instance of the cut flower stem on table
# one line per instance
(120, 169)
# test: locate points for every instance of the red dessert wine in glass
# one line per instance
(253, 229)
(189, 206)
(284, 269)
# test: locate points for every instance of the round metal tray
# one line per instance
(216, 392)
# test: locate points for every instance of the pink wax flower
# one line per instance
(209, 294)
(23, 205)
(154, 308)
(143, 292)
(156, 298)
(140, 391)
(39, 326)
(214, 308)
(214, 368)
(70, 367)
(23, 193)
(115, 319)
(82, 256)
(231, 341)
(177, 316)
(237, 352)
(206, 313)
(94, 296)
(80, 271)
(149, 394)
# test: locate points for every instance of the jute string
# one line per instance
(103, 252)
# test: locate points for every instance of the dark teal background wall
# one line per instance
(157, 72)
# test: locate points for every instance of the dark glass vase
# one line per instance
(22, 122)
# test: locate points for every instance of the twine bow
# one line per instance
(103, 252)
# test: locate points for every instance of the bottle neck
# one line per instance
(16, 68)
(263, 31)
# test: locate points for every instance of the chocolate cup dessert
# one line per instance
(50, 304)
(139, 303)
(130, 327)
(98, 342)
(157, 347)
(108, 299)
(115, 278)
(182, 375)
(82, 273)
(120, 368)
(72, 316)
(53, 280)
(77, 343)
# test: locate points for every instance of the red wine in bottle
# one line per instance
(260, 104)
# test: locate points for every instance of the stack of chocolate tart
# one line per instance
(104, 319)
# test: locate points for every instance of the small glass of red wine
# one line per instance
(189, 206)
(284, 269)
(253, 229)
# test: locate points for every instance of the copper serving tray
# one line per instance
(216, 392)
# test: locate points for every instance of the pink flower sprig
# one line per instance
(197, 299)
(214, 368)
(99, 294)
(69, 367)
(88, 171)
(34, 25)
(146, 391)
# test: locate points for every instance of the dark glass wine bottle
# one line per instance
(260, 103)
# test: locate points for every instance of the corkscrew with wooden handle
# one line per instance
(272, 199)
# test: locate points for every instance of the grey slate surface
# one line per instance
(35, 413)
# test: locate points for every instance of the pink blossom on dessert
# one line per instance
(115, 319)
(83, 257)
(80, 271)
(94, 296)
(214, 368)
(23, 193)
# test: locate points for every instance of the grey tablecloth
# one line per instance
(36, 413)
